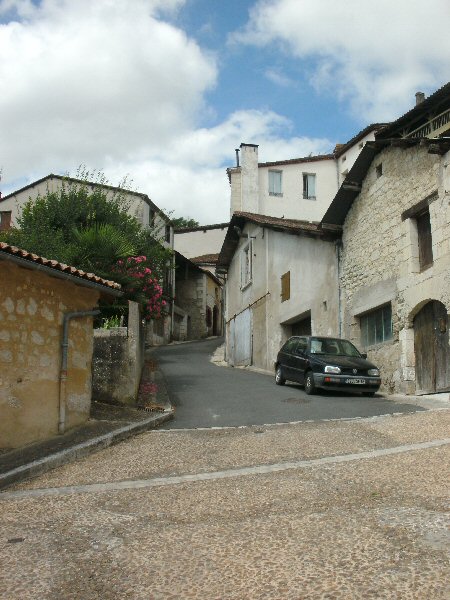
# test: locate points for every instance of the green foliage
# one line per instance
(99, 247)
(88, 227)
(182, 222)
(110, 322)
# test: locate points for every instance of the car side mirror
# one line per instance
(364, 354)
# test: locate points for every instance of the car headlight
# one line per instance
(373, 372)
(330, 369)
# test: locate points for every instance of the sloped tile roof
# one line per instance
(288, 226)
(37, 260)
(205, 258)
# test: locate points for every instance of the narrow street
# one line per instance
(340, 509)
(205, 395)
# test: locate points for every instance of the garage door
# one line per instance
(241, 342)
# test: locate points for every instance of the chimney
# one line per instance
(249, 178)
(420, 97)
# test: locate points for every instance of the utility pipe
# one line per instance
(338, 245)
(63, 372)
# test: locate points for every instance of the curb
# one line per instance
(42, 465)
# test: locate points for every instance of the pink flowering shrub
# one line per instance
(144, 285)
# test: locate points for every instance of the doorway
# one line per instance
(432, 349)
(302, 327)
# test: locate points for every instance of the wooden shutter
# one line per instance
(286, 286)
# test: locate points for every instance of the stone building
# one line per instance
(139, 206)
(394, 211)
(46, 341)
(199, 310)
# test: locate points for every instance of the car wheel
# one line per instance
(370, 394)
(279, 379)
(310, 386)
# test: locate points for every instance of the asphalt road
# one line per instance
(207, 395)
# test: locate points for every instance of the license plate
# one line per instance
(356, 381)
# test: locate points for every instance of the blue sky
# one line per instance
(164, 90)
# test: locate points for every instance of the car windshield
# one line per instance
(333, 346)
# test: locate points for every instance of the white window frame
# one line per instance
(275, 190)
(247, 264)
(306, 185)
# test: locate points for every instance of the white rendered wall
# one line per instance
(198, 243)
(347, 160)
(292, 205)
(312, 265)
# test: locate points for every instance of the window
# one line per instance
(376, 326)
(424, 239)
(420, 239)
(208, 317)
(246, 264)
(285, 286)
(5, 220)
(275, 183)
(167, 234)
(309, 186)
(379, 170)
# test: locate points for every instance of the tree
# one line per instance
(184, 222)
(88, 226)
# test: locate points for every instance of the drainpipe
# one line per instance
(63, 372)
(338, 257)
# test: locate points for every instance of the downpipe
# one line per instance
(338, 260)
(64, 356)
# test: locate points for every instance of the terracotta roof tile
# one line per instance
(205, 258)
(57, 266)
(293, 224)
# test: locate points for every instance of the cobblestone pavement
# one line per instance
(340, 509)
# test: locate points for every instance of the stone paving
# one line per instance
(375, 526)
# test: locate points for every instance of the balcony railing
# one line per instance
(434, 128)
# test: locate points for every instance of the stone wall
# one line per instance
(32, 305)
(118, 360)
(379, 257)
(191, 298)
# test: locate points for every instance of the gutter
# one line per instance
(64, 354)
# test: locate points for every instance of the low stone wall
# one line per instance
(118, 360)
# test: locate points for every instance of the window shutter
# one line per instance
(286, 286)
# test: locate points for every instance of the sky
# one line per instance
(163, 91)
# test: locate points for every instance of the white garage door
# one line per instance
(242, 338)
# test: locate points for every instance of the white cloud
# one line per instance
(372, 54)
(110, 85)
(189, 178)
(81, 80)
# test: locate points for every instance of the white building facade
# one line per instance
(282, 280)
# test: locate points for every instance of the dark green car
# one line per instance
(327, 363)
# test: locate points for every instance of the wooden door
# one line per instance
(432, 349)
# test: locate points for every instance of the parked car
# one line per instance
(328, 363)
